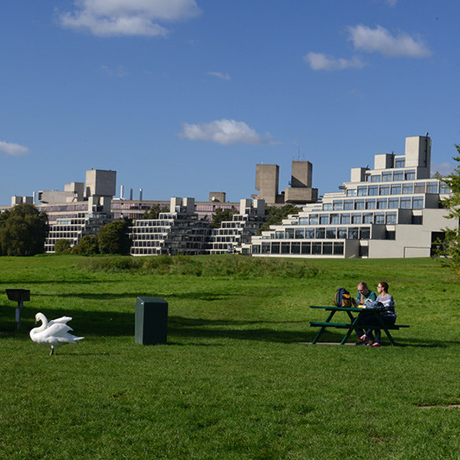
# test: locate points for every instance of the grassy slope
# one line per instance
(234, 380)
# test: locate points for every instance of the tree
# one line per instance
(87, 246)
(154, 211)
(113, 238)
(23, 231)
(62, 246)
(451, 244)
(277, 215)
(221, 215)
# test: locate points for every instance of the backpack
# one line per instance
(342, 298)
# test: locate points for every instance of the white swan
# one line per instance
(54, 333)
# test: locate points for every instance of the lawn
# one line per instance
(236, 379)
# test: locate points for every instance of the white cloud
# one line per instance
(319, 61)
(225, 132)
(15, 150)
(128, 17)
(222, 76)
(116, 72)
(442, 168)
(380, 40)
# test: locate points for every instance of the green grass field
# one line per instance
(236, 379)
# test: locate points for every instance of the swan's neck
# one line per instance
(44, 325)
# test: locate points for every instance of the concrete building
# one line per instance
(392, 210)
(299, 192)
(231, 235)
(179, 231)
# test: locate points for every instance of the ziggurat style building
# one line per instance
(392, 210)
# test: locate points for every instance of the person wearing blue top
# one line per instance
(364, 295)
(388, 316)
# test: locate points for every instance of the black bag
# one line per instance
(342, 298)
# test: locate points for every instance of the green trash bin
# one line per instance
(151, 320)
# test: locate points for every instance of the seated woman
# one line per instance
(371, 322)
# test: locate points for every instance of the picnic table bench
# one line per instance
(353, 323)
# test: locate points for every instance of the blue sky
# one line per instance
(184, 97)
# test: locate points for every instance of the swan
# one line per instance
(54, 333)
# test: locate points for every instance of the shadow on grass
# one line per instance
(116, 324)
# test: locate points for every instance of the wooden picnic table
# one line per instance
(353, 323)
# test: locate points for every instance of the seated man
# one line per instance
(364, 295)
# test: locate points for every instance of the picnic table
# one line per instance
(353, 322)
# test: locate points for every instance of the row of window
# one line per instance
(415, 202)
(399, 189)
(314, 248)
(390, 176)
(350, 218)
(341, 233)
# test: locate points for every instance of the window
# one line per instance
(306, 248)
(338, 249)
(279, 234)
(348, 205)
(346, 219)
(362, 191)
(356, 218)
(408, 189)
(419, 188)
(400, 162)
(375, 178)
(337, 205)
(387, 176)
(405, 203)
(393, 203)
(320, 232)
(359, 204)
(353, 233)
(384, 190)
(289, 233)
(396, 189)
(327, 207)
(391, 218)
(379, 218)
(275, 248)
(324, 219)
(309, 233)
(295, 248)
(368, 218)
(285, 248)
(335, 219)
(373, 190)
(316, 248)
(327, 248)
(299, 233)
(410, 174)
(303, 221)
(432, 187)
(444, 188)
(365, 233)
(351, 192)
(398, 175)
(342, 233)
(314, 219)
(265, 248)
(417, 220)
(417, 202)
(382, 203)
(331, 233)
(370, 204)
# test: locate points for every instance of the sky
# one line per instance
(185, 97)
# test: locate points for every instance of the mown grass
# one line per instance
(235, 380)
